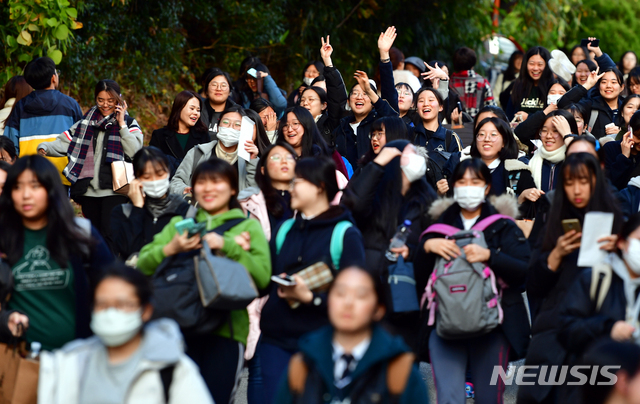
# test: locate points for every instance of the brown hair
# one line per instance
(179, 103)
(18, 88)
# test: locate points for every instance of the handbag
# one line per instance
(402, 287)
(223, 284)
(122, 174)
(18, 375)
(463, 128)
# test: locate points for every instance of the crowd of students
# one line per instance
(333, 189)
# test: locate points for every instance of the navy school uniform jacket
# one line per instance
(369, 378)
(618, 167)
(629, 199)
(307, 243)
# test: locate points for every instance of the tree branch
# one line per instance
(350, 14)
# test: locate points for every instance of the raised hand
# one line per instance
(594, 49)
(593, 78)
(385, 42)
(325, 51)
(363, 80)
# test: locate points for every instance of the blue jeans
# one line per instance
(274, 362)
(255, 389)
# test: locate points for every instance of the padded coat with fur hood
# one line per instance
(509, 261)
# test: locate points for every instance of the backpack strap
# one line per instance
(166, 375)
(592, 120)
(441, 228)
(337, 242)
(488, 221)
(228, 225)
(191, 212)
(599, 289)
(197, 155)
(450, 136)
(282, 233)
(398, 373)
(298, 372)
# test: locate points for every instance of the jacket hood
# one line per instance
(634, 182)
(162, 343)
(318, 348)
(41, 102)
(331, 216)
(505, 205)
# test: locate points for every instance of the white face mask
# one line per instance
(116, 327)
(553, 98)
(307, 80)
(632, 255)
(229, 137)
(469, 197)
(416, 167)
(156, 189)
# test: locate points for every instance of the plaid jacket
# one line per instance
(473, 89)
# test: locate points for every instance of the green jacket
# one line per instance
(257, 260)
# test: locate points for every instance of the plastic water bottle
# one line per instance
(398, 240)
(35, 350)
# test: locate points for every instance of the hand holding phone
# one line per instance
(586, 42)
(185, 225)
(571, 224)
(198, 228)
(253, 73)
(286, 280)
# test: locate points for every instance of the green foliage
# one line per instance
(34, 28)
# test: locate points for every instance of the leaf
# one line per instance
(62, 32)
(52, 22)
(24, 58)
(77, 25)
(25, 38)
(56, 55)
(72, 12)
(33, 27)
(283, 37)
(11, 41)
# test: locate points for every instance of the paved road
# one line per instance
(425, 369)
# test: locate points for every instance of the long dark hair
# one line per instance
(111, 87)
(179, 103)
(621, 63)
(394, 129)
(316, 63)
(524, 83)
(579, 165)
(510, 149)
(216, 168)
(7, 145)
(272, 197)
(311, 136)
(64, 236)
(389, 204)
(262, 140)
(18, 88)
(510, 72)
(321, 172)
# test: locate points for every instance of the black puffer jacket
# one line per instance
(336, 100)
(509, 257)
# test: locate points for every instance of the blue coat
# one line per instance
(369, 376)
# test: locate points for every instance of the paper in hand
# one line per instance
(596, 225)
(246, 134)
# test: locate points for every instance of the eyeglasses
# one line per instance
(405, 93)
(545, 132)
(228, 123)
(359, 95)
(277, 157)
(292, 125)
(376, 135)
(221, 86)
(102, 101)
(493, 136)
(294, 181)
(120, 305)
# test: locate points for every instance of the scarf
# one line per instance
(92, 122)
(158, 207)
(230, 158)
(538, 158)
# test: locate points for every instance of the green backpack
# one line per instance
(337, 239)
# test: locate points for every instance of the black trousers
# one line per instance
(98, 211)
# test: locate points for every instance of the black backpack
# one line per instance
(176, 293)
(438, 158)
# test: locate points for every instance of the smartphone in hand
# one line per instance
(585, 42)
(571, 224)
(287, 280)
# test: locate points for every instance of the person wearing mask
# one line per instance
(7, 150)
(219, 355)
(387, 192)
(350, 358)
(603, 107)
(496, 146)
(216, 87)
(106, 133)
(129, 360)
(473, 89)
(134, 224)
(621, 158)
(581, 188)
(310, 71)
(628, 62)
(43, 113)
(224, 147)
(55, 257)
(184, 130)
(614, 315)
(505, 78)
(352, 136)
(268, 116)
(305, 244)
(507, 254)
(258, 83)
(16, 89)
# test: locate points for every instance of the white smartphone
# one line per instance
(284, 281)
(609, 125)
(253, 73)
